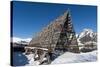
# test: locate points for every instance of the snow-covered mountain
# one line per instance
(87, 38)
(87, 35)
(21, 40)
(86, 32)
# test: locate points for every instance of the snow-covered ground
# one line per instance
(74, 58)
(21, 59)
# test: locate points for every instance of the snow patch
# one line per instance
(31, 60)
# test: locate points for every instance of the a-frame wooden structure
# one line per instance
(59, 35)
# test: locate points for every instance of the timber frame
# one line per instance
(59, 35)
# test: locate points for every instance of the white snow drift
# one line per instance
(74, 58)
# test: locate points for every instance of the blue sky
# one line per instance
(29, 17)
